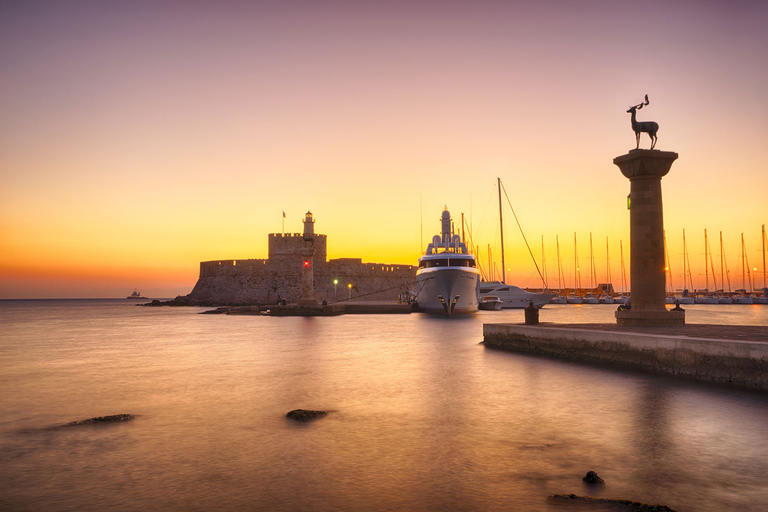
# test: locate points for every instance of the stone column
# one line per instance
(307, 277)
(645, 168)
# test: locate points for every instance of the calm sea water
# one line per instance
(422, 416)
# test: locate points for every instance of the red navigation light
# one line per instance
(306, 263)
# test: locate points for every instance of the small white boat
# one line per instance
(742, 299)
(590, 299)
(574, 299)
(513, 296)
(724, 299)
(759, 300)
(559, 299)
(605, 299)
(705, 299)
(490, 303)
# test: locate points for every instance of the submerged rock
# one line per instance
(115, 418)
(606, 503)
(304, 415)
(592, 478)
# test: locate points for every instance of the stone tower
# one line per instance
(307, 268)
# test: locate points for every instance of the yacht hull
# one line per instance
(447, 291)
(513, 297)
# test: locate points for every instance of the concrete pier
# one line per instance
(736, 355)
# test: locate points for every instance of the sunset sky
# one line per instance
(140, 138)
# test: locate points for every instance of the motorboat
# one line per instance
(490, 303)
(447, 280)
(559, 299)
(514, 296)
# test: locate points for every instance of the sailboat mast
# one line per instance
(576, 273)
(743, 270)
(591, 265)
(668, 265)
(559, 284)
(764, 244)
(723, 260)
(623, 271)
(608, 264)
(501, 231)
(706, 269)
(544, 263)
(685, 251)
(711, 262)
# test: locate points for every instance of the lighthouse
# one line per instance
(307, 263)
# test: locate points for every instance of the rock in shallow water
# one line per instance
(592, 478)
(304, 415)
(606, 504)
(115, 418)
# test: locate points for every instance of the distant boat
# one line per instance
(136, 295)
(490, 303)
(514, 296)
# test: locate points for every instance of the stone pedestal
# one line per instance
(645, 168)
(307, 278)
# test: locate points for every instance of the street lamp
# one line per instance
(349, 287)
(335, 282)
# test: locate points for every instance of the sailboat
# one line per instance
(559, 298)
(624, 297)
(685, 299)
(741, 297)
(589, 298)
(511, 296)
(757, 299)
(706, 297)
(722, 298)
(575, 298)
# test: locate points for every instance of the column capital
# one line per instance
(645, 163)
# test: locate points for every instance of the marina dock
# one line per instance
(728, 354)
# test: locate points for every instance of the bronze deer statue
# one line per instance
(649, 127)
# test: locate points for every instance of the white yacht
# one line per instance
(513, 296)
(447, 279)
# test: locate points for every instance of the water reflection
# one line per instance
(422, 418)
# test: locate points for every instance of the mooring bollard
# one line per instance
(531, 314)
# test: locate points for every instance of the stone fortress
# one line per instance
(266, 281)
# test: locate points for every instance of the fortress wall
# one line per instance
(266, 281)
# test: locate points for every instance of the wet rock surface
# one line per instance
(607, 504)
(304, 415)
(592, 478)
(115, 418)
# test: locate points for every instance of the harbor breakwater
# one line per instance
(701, 352)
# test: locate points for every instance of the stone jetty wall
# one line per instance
(741, 363)
(265, 281)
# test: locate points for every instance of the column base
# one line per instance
(306, 302)
(650, 318)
